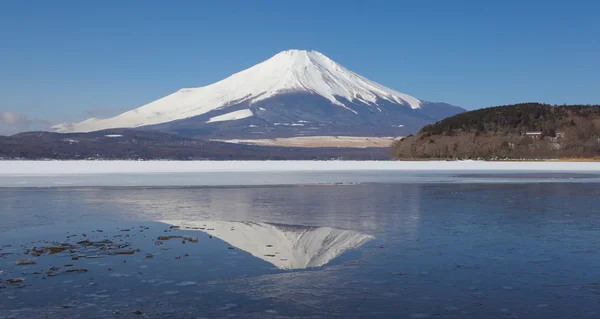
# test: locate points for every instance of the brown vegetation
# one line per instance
(501, 133)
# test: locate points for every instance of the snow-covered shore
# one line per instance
(28, 168)
(262, 173)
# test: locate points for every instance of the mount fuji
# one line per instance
(294, 93)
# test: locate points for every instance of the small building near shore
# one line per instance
(534, 135)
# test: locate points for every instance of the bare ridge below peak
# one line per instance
(284, 95)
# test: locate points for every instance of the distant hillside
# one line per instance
(528, 130)
(136, 144)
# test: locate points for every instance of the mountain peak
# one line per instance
(290, 71)
(297, 59)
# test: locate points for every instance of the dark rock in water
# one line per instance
(14, 281)
(188, 238)
(77, 270)
(149, 256)
(25, 261)
(230, 247)
(127, 252)
(50, 250)
(137, 312)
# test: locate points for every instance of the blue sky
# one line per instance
(69, 60)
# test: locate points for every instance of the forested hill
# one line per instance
(527, 130)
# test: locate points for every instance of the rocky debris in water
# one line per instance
(14, 281)
(137, 312)
(149, 255)
(54, 271)
(187, 255)
(126, 229)
(49, 250)
(25, 261)
(188, 238)
(231, 247)
(86, 242)
(126, 252)
(90, 256)
(172, 227)
(77, 270)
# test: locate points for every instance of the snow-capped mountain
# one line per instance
(295, 92)
(285, 246)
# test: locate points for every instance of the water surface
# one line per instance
(416, 250)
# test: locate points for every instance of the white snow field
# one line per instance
(286, 72)
(232, 173)
(231, 116)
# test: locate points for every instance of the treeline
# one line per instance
(152, 145)
(500, 133)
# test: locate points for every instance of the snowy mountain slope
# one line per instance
(329, 93)
(286, 247)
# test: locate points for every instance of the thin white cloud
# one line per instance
(13, 122)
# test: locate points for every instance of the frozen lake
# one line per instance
(505, 243)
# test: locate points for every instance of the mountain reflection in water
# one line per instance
(284, 246)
